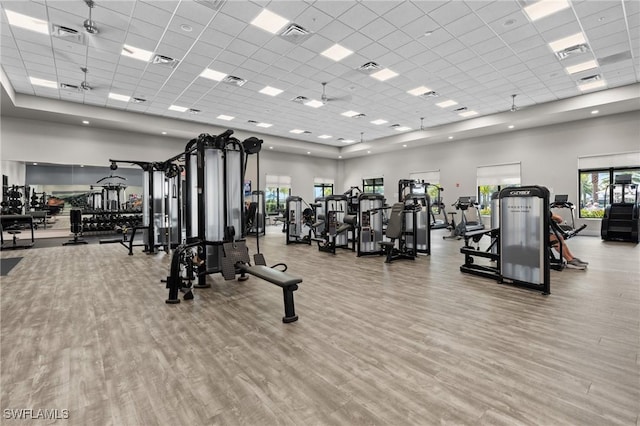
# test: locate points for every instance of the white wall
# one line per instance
(14, 170)
(548, 157)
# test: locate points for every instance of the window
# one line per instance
(595, 192)
(278, 188)
(492, 179)
(373, 185)
(322, 187)
(595, 175)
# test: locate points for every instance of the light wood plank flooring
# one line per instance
(86, 329)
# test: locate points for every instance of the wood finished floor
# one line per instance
(85, 328)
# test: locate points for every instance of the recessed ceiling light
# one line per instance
(595, 111)
(85, 122)
(368, 152)
(225, 117)
(402, 128)
(271, 91)
(324, 137)
(404, 146)
(117, 97)
(509, 22)
(540, 9)
(468, 114)
(186, 28)
(269, 21)
(164, 133)
(308, 152)
(563, 43)
(573, 69)
(511, 126)
(27, 22)
(339, 156)
(384, 74)
(178, 108)
(337, 52)
(593, 85)
(379, 122)
(418, 91)
(428, 33)
(450, 137)
(296, 131)
(81, 165)
(350, 113)
(264, 125)
(44, 83)
(213, 74)
(136, 53)
(35, 164)
(348, 141)
(446, 104)
(270, 147)
(314, 104)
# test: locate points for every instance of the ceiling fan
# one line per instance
(326, 98)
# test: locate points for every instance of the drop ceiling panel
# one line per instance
(480, 52)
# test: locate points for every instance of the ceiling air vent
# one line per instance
(359, 115)
(430, 94)
(573, 50)
(138, 100)
(461, 109)
(193, 111)
(590, 78)
(369, 67)
(306, 132)
(165, 60)
(234, 81)
(67, 34)
(211, 4)
(393, 126)
(300, 99)
(252, 121)
(295, 34)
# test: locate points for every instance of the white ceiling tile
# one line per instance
(279, 46)
(312, 19)
(449, 12)
(150, 13)
(395, 40)
(177, 40)
(402, 14)
(333, 8)
(336, 31)
(358, 16)
(195, 12)
(124, 7)
(377, 29)
(145, 29)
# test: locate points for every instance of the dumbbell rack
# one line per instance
(102, 222)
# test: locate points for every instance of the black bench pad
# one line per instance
(272, 275)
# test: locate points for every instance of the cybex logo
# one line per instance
(519, 192)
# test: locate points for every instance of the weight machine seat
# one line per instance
(274, 276)
(394, 227)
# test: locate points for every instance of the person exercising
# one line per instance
(572, 261)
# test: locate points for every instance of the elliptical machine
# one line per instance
(464, 205)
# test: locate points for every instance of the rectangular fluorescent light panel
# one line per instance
(418, 91)
(593, 85)
(314, 104)
(348, 141)
(264, 125)
(563, 43)
(271, 91)
(296, 131)
(269, 21)
(178, 108)
(212, 74)
(27, 22)
(573, 69)
(402, 128)
(468, 114)
(44, 83)
(379, 121)
(136, 53)
(117, 97)
(447, 104)
(337, 52)
(324, 137)
(540, 9)
(384, 74)
(350, 113)
(225, 117)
